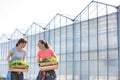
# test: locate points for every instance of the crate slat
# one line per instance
(18, 70)
(48, 66)
(48, 63)
(19, 66)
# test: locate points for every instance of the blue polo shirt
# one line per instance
(16, 54)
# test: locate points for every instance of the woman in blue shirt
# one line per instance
(18, 52)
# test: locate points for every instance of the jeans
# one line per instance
(8, 75)
(17, 76)
(47, 75)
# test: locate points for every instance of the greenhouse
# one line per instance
(87, 46)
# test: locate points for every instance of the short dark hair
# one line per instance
(21, 40)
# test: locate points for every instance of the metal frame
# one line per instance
(55, 29)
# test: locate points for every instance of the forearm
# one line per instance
(9, 55)
(38, 59)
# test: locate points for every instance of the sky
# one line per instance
(20, 14)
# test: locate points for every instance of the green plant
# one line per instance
(53, 59)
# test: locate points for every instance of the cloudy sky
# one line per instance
(19, 14)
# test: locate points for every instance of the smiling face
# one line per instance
(22, 45)
(40, 45)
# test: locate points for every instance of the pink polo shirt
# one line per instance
(48, 53)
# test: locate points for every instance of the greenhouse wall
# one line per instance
(87, 46)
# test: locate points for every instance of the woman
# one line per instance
(45, 52)
(18, 52)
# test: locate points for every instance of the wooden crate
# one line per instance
(48, 66)
(18, 68)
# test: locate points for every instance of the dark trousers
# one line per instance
(17, 76)
(46, 75)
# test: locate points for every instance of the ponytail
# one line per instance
(46, 45)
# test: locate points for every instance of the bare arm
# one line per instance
(38, 59)
(53, 54)
(9, 55)
(23, 58)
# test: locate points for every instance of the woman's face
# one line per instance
(40, 45)
(23, 45)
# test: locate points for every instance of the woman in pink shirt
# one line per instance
(45, 52)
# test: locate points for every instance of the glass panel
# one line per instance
(93, 34)
(69, 70)
(113, 68)
(76, 56)
(77, 70)
(84, 70)
(112, 29)
(52, 38)
(113, 54)
(102, 33)
(57, 41)
(69, 57)
(84, 56)
(69, 39)
(84, 37)
(63, 57)
(63, 70)
(93, 55)
(113, 64)
(76, 38)
(63, 40)
(93, 70)
(103, 55)
(103, 69)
